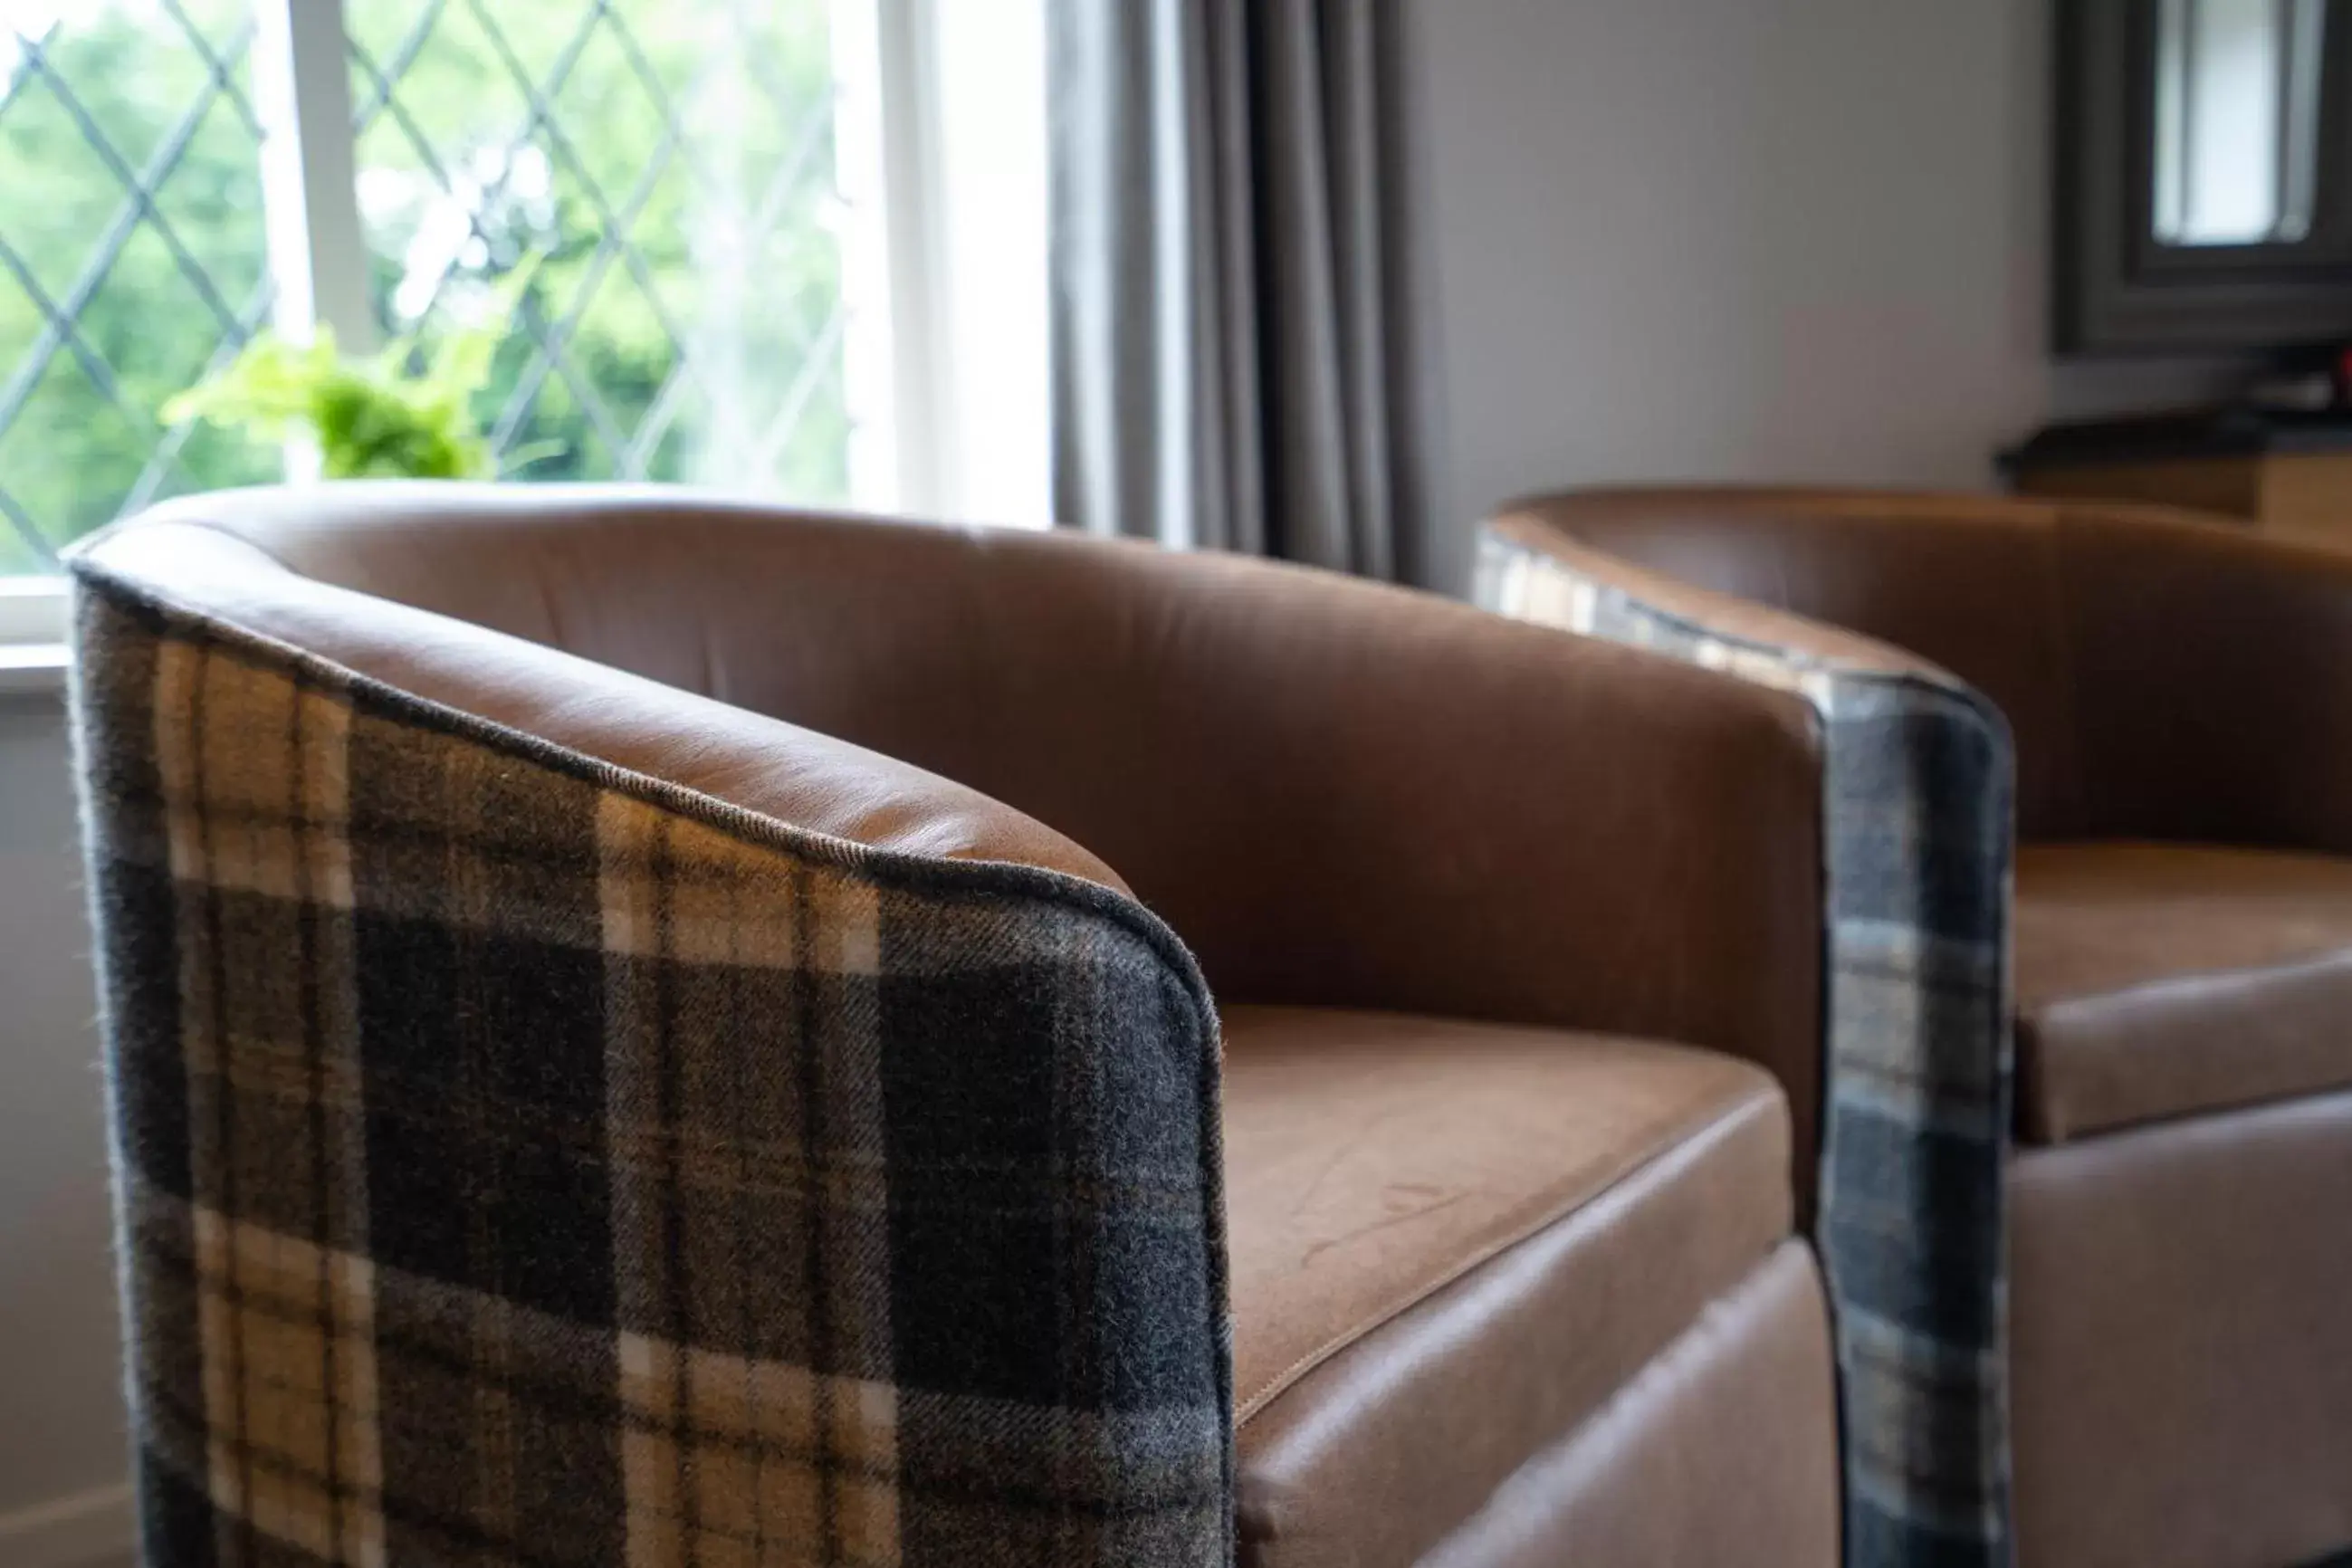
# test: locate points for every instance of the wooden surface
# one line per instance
(2308, 493)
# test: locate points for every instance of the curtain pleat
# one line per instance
(1223, 372)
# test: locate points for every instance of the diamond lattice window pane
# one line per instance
(670, 164)
(132, 255)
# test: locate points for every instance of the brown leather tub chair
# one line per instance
(647, 1030)
(2169, 1174)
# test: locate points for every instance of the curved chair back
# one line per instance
(1217, 734)
(2140, 654)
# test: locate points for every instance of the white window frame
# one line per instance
(930, 423)
(952, 351)
(310, 180)
(32, 634)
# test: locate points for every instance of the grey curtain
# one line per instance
(1224, 366)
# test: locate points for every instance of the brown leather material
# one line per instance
(1968, 584)
(2214, 668)
(1338, 794)
(1722, 1450)
(1374, 1157)
(2143, 655)
(2162, 980)
(2181, 1378)
(2182, 1353)
(1720, 612)
(810, 781)
(1450, 1244)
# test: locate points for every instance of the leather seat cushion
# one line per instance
(2157, 981)
(1453, 1243)
(1669, 1474)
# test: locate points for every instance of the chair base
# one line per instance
(2182, 1390)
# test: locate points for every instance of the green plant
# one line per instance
(405, 412)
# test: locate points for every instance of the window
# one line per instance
(2237, 119)
(792, 248)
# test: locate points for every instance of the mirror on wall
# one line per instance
(2204, 190)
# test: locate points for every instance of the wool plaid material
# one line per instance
(1916, 822)
(521, 1163)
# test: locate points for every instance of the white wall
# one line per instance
(1734, 239)
(62, 1453)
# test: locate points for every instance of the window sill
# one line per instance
(32, 669)
(32, 653)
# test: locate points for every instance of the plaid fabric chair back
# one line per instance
(521, 1161)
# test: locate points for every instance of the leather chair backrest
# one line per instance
(1970, 585)
(2162, 672)
(1336, 793)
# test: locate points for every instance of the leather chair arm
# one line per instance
(1572, 567)
(739, 758)
(1917, 805)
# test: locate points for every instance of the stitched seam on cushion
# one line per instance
(936, 876)
(1678, 1138)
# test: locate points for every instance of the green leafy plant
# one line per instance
(404, 412)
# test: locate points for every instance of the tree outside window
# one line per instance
(669, 163)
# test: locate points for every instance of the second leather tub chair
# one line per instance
(649, 1031)
(2158, 1205)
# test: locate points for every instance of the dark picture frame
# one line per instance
(2117, 289)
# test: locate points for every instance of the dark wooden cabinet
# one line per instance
(2280, 473)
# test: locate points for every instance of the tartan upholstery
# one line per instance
(1916, 827)
(520, 1162)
